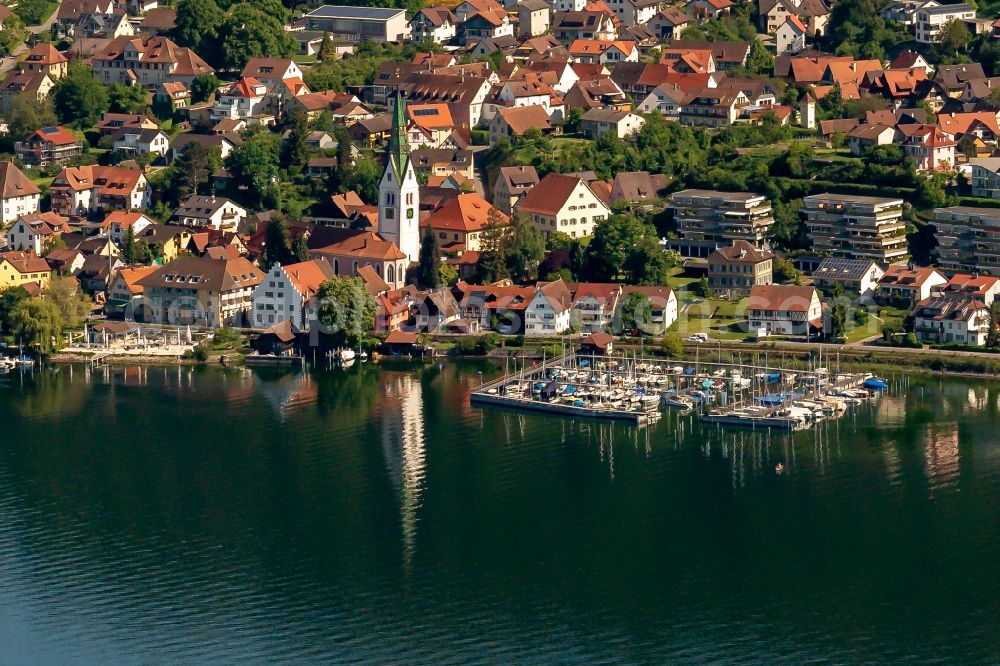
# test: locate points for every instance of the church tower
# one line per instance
(399, 191)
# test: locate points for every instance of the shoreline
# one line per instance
(122, 359)
(788, 355)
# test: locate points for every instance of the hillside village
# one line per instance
(709, 169)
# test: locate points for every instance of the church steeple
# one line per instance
(398, 151)
(399, 190)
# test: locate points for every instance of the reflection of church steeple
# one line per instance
(403, 445)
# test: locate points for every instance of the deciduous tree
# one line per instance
(346, 311)
(36, 322)
(80, 99)
(525, 248)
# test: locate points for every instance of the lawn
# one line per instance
(677, 280)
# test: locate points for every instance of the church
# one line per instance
(395, 244)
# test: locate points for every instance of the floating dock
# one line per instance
(635, 390)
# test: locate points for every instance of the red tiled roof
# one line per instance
(466, 212)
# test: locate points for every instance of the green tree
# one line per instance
(300, 251)
(525, 248)
(203, 87)
(363, 178)
(197, 26)
(79, 98)
(967, 146)
(13, 34)
(9, 298)
(429, 266)
(346, 311)
(129, 250)
(993, 334)
(672, 345)
(255, 166)
(493, 243)
(838, 319)
(295, 145)
(277, 244)
(36, 322)
(449, 274)
(248, 31)
(28, 113)
(760, 61)
(783, 271)
(327, 50)
(71, 301)
(571, 123)
(345, 151)
(127, 99)
(610, 247)
(144, 254)
(648, 262)
(954, 37)
(192, 168)
(635, 314)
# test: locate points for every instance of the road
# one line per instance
(10, 61)
(853, 348)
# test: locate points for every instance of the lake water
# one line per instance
(371, 515)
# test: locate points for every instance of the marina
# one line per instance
(636, 390)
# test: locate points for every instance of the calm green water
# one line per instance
(372, 515)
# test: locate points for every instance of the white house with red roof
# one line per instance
(594, 305)
(271, 70)
(31, 232)
(790, 37)
(243, 100)
(549, 311)
(708, 9)
(912, 284)
(982, 287)
(118, 222)
(84, 189)
(18, 195)
(781, 309)
(429, 125)
(564, 203)
(436, 24)
(962, 320)
(931, 149)
(604, 51)
(286, 291)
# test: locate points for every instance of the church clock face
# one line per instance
(409, 213)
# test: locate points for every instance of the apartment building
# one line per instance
(856, 227)
(963, 321)
(202, 291)
(930, 20)
(707, 220)
(968, 239)
(985, 177)
(357, 24)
